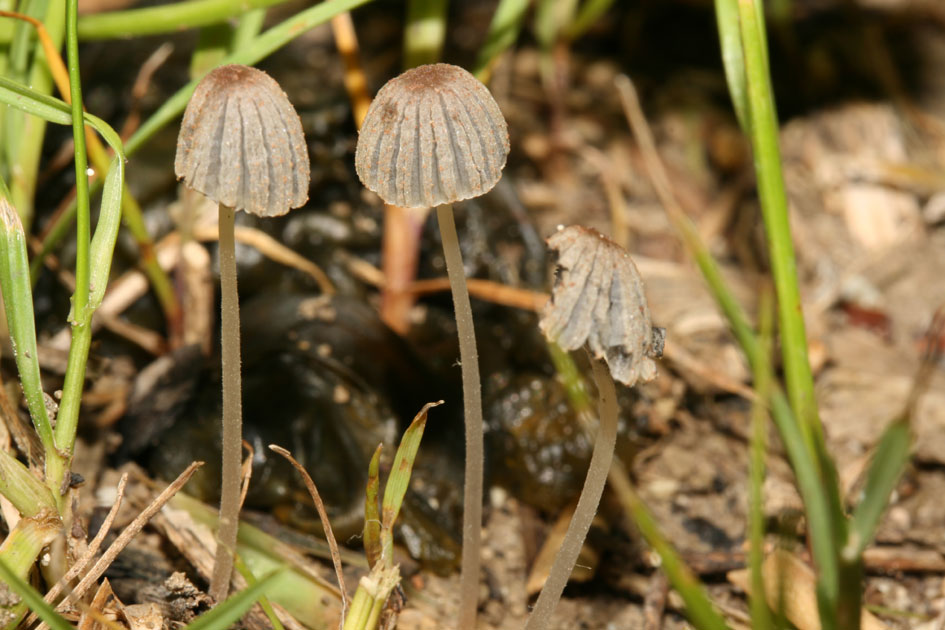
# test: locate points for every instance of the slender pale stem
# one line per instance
(586, 508)
(472, 408)
(232, 409)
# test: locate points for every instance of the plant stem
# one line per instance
(166, 18)
(424, 32)
(472, 409)
(232, 409)
(762, 373)
(764, 132)
(80, 299)
(587, 504)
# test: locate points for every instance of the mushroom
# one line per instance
(241, 144)
(597, 300)
(434, 136)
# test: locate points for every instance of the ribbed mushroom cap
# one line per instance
(241, 143)
(598, 299)
(433, 135)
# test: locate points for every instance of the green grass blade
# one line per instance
(228, 612)
(399, 477)
(760, 614)
(263, 600)
(106, 231)
(33, 599)
(167, 18)
(27, 493)
(83, 237)
(18, 303)
(258, 49)
(587, 14)
(372, 515)
(53, 110)
(887, 465)
(764, 139)
(503, 31)
(424, 32)
(699, 609)
(733, 58)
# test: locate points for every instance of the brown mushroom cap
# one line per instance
(598, 299)
(433, 135)
(241, 143)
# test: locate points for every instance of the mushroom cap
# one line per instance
(241, 143)
(598, 299)
(433, 135)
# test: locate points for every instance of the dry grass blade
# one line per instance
(323, 515)
(126, 535)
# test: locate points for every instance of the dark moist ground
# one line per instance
(863, 139)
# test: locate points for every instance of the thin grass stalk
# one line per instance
(472, 410)
(232, 409)
(131, 211)
(425, 31)
(25, 154)
(260, 48)
(819, 498)
(588, 501)
(764, 136)
(760, 613)
(504, 29)
(18, 304)
(168, 18)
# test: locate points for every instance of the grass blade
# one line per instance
(760, 613)
(33, 599)
(399, 478)
(168, 18)
(425, 31)
(106, 231)
(18, 303)
(733, 58)
(699, 609)
(18, 485)
(588, 13)
(887, 465)
(229, 611)
(372, 515)
(503, 31)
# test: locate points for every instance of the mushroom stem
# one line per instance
(472, 409)
(232, 409)
(587, 503)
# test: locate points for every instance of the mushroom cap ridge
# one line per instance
(433, 135)
(241, 143)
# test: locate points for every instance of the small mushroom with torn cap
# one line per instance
(598, 299)
(434, 136)
(241, 144)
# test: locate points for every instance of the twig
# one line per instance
(127, 535)
(323, 515)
